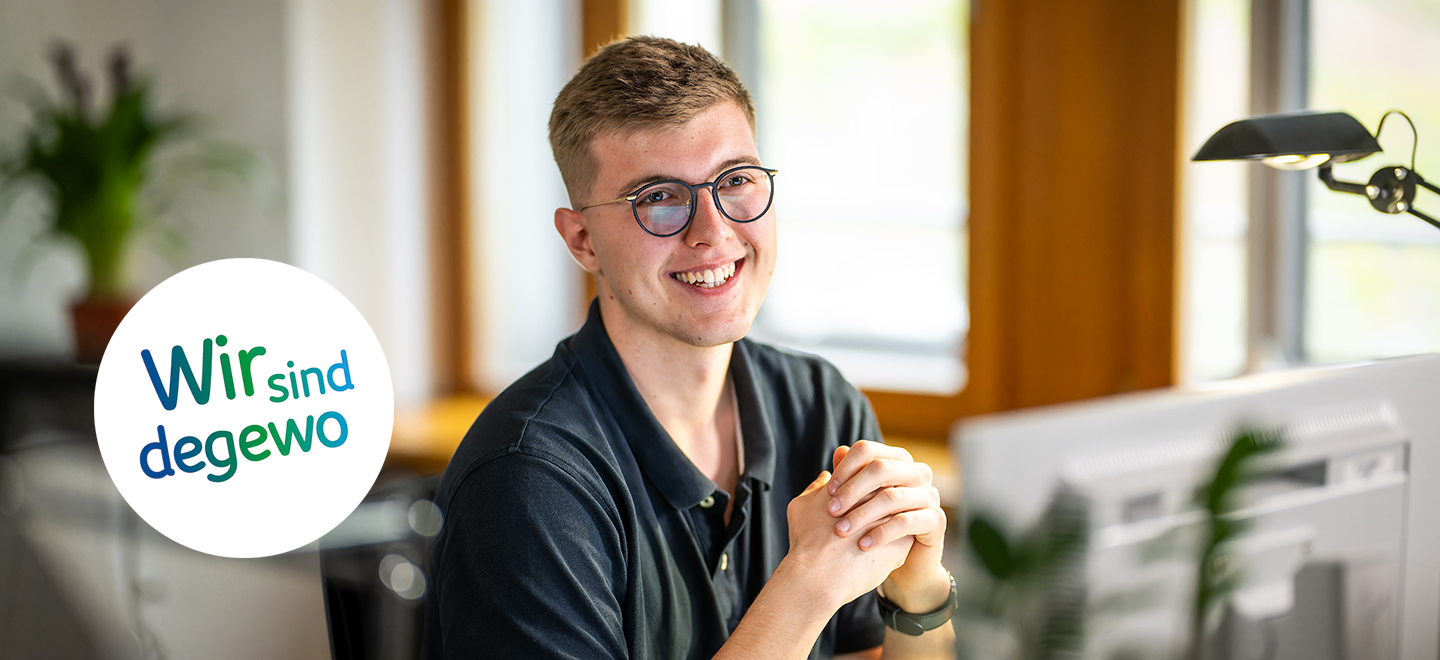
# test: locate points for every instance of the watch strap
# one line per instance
(915, 625)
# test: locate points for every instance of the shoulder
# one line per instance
(531, 561)
(534, 471)
(543, 426)
(800, 375)
(531, 494)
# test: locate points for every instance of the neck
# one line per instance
(683, 384)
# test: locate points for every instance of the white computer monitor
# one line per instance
(1341, 552)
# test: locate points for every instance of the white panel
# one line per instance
(1212, 313)
(407, 204)
(524, 280)
(692, 22)
(358, 162)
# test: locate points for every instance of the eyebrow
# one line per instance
(636, 183)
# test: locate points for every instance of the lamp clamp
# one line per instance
(1390, 190)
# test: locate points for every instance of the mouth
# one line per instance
(709, 278)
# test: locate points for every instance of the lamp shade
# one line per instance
(1292, 134)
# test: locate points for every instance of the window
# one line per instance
(519, 56)
(1374, 279)
(1214, 216)
(863, 109)
(1360, 284)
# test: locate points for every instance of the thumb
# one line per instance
(840, 453)
(818, 483)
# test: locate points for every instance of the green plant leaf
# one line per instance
(1218, 501)
(990, 546)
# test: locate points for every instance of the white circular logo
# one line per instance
(244, 408)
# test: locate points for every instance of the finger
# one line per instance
(839, 455)
(817, 484)
(887, 502)
(922, 523)
(860, 455)
(877, 474)
(863, 499)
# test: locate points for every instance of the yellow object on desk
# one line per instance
(426, 437)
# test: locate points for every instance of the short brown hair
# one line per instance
(635, 83)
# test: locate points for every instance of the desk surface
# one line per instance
(426, 437)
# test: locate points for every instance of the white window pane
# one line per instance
(691, 21)
(862, 107)
(1215, 217)
(1372, 286)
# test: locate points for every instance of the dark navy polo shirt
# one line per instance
(576, 528)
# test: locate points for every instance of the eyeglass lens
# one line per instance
(664, 208)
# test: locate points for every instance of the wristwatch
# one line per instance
(913, 624)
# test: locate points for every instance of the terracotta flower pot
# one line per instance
(95, 321)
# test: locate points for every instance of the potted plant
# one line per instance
(94, 167)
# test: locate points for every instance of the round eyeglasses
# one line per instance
(665, 208)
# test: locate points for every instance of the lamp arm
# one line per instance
(1420, 181)
(1426, 184)
(1340, 186)
(1433, 222)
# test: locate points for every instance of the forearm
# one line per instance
(786, 618)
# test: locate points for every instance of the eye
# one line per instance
(737, 179)
(655, 197)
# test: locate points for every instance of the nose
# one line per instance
(709, 227)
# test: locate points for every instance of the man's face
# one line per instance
(640, 276)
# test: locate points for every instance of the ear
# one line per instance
(574, 230)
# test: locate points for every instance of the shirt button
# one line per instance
(708, 502)
(724, 560)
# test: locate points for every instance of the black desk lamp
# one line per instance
(1302, 140)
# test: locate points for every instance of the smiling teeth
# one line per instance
(708, 278)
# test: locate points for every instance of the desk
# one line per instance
(427, 436)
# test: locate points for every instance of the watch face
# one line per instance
(909, 626)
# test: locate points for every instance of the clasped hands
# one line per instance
(884, 524)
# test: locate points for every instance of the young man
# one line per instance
(658, 488)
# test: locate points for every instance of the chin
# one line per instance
(712, 336)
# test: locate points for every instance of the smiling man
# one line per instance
(659, 487)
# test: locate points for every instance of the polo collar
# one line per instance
(753, 390)
(662, 461)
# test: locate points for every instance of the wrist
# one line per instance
(786, 618)
(924, 595)
(808, 585)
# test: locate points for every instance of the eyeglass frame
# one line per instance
(714, 195)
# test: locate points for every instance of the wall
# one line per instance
(330, 98)
(224, 61)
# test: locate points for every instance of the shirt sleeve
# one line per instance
(869, 425)
(529, 565)
(858, 626)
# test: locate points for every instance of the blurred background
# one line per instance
(985, 206)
